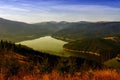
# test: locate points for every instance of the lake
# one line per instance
(47, 44)
(52, 46)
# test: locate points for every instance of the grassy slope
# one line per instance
(54, 75)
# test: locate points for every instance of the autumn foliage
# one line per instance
(54, 75)
(22, 63)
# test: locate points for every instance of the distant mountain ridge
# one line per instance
(87, 30)
(18, 31)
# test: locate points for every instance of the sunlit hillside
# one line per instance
(54, 75)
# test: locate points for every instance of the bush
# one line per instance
(10, 67)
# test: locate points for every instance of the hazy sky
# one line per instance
(32, 11)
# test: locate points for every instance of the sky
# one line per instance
(34, 11)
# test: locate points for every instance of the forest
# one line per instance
(18, 61)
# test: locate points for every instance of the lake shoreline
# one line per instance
(46, 44)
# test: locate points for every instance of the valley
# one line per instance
(59, 39)
(61, 46)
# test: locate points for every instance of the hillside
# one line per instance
(52, 26)
(20, 60)
(113, 63)
(17, 31)
(80, 30)
(105, 48)
(11, 30)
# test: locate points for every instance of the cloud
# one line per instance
(13, 8)
(53, 11)
(79, 8)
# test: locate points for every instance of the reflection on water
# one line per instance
(46, 44)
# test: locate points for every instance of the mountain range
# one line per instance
(18, 31)
(80, 30)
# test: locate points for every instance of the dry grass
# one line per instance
(90, 75)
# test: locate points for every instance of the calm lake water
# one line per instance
(52, 46)
(47, 44)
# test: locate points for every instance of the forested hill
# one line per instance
(17, 31)
(87, 29)
(18, 59)
(19, 62)
(104, 48)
